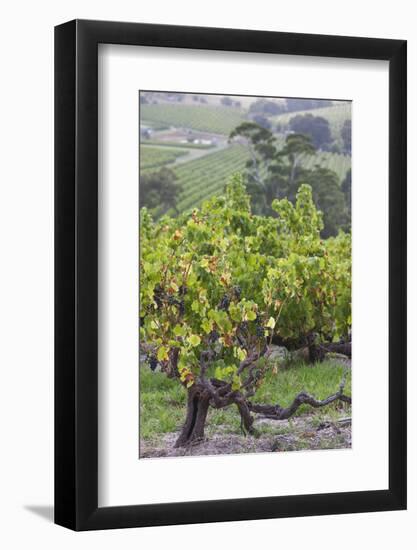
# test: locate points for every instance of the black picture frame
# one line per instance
(76, 272)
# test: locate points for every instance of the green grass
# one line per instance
(163, 401)
(206, 118)
(336, 115)
(320, 380)
(156, 157)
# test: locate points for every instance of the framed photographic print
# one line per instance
(230, 275)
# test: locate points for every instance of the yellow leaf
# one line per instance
(162, 354)
(225, 278)
(240, 353)
(271, 323)
(183, 374)
(251, 315)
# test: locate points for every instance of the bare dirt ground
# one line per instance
(298, 434)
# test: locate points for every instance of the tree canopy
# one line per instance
(159, 189)
(267, 107)
(275, 172)
(299, 104)
(316, 127)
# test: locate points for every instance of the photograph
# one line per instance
(203, 210)
(245, 327)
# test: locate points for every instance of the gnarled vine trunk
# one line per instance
(198, 403)
(197, 409)
(219, 394)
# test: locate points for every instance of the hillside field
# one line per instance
(156, 157)
(205, 118)
(203, 177)
(204, 166)
(335, 114)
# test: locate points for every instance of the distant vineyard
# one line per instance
(203, 177)
(206, 176)
(339, 163)
(205, 118)
(335, 114)
(156, 157)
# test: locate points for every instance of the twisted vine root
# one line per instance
(276, 412)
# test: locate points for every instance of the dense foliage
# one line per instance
(217, 285)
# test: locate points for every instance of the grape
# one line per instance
(152, 362)
(214, 336)
(225, 302)
(157, 296)
(260, 332)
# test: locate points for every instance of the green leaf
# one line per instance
(235, 313)
(195, 306)
(194, 340)
(179, 330)
(236, 383)
(207, 325)
(239, 353)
